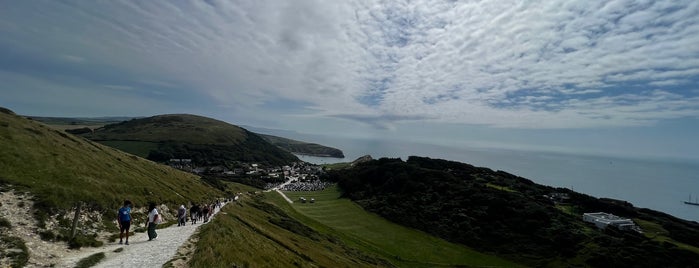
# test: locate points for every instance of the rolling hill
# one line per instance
(204, 140)
(60, 169)
(513, 217)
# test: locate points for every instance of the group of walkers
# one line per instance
(196, 213)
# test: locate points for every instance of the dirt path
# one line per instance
(140, 252)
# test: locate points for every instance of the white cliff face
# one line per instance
(16, 208)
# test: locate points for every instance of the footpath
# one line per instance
(277, 189)
(140, 252)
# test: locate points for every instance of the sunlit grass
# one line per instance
(60, 169)
(501, 188)
(656, 232)
(404, 246)
(254, 233)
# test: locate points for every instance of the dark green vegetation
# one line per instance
(204, 140)
(305, 148)
(60, 170)
(506, 215)
(12, 248)
(91, 260)
(403, 246)
(255, 233)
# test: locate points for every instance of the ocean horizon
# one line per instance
(658, 184)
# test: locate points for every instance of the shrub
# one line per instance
(19, 256)
(4, 223)
(47, 235)
(84, 240)
(91, 260)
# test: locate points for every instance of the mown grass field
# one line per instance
(403, 246)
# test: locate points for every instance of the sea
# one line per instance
(658, 184)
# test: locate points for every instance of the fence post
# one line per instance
(75, 220)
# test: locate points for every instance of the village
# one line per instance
(298, 176)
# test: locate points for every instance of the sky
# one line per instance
(609, 77)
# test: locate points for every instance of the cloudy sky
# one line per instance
(616, 77)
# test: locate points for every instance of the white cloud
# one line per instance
(504, 63)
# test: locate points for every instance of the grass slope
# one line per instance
(60, 169)
(255, 233)
(404, 246)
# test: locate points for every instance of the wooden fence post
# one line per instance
(75, 220)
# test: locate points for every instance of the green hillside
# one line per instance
(204, 140)
(305, 148)
(253, 232)
(403, 246)
(512, 217)
(60, 169)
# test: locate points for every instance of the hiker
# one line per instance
(194, 213)
(124, 219)
(181, 216)
(153, 220)
(206, 213)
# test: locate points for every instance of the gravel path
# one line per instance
(140, 252)
(281, 186)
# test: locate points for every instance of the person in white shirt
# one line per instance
(153, 220)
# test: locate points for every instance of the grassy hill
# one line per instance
(60, 169)
(263, 230)
(204, 140)
(509, 216)
(305, 148)
(254, 232)
(402, 246)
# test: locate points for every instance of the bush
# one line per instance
(82, 240)
(4, 223)
(47, 235)
(20, 254)
(91, 260)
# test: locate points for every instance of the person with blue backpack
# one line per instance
(124, 220)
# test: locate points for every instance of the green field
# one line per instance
(140, 148)
(403, 246)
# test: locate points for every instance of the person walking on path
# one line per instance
(153, 219)
(181, 216)
(194, 213)
(205, 211)
(124, 219)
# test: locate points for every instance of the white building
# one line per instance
(602, 220)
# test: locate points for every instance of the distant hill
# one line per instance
(305, 148)
(513, 217)
(60, 169)
(204, 140)
(72, 122)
